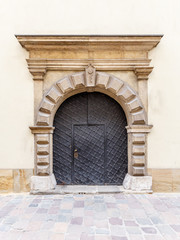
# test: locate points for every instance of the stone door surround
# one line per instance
(88, 60)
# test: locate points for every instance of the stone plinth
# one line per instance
(42, 183)
(140, 183)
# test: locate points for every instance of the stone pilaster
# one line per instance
(137, 149)
(142, 74)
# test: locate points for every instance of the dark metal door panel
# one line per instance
(90, 109)
(72, 111)
(89, 162)
(103, 109)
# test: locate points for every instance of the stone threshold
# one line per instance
(86, 189)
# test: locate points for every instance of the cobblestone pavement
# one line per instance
(90, 217)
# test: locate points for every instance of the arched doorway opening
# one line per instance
(90, 141)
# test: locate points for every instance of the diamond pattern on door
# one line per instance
(81, 114)
(90, 145)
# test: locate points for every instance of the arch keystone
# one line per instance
(90, 73)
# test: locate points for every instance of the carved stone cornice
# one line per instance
(142, 73)
(46, 53)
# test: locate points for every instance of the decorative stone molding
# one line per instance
(89, 57)
(96, 42)
(90, 80)
(99, 81)
(142, 73)
(45, 65)
(43, 150)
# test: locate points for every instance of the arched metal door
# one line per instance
(90, 141)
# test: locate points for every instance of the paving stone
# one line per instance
(102, 231)
(90, 217)
(42, 210)
(130, 223)
(156, 220)
(133, 230)
(176, 228)
(155, 237)
(166, 230)
(79, 204)
(4, 227)
(118, 238)
(149, 230)
(104, 237)
(117, 230)
(115, 221)
(60, 227)
(143, 221)
(33, 205)
(101, 223)
(34, 226)
(88, 221)
(57, 236)
(136, 237)
(86, 236)
(77, 220)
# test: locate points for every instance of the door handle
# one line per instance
(75, 153)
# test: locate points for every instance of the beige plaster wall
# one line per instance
(88, 17)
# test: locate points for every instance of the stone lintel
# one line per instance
(139, 128)
(42, 129)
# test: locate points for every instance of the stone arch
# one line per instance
(103, 82)
(90, 81)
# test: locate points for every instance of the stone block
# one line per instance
(22, 179)
(42, 159)
(78, 79)
(42, 170)
(138, 160)
(114, 85)
(65, 85)
(53, 95)
(141, 183)
(46, 106)
(126, 93)
(138, 170)
(138, 149)
(42, 138)
(42, 149)
(43, 183)
(138, 138)
(43, 119)
(102, 80)
(6, 183)
(134, 105)
(138, 118)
